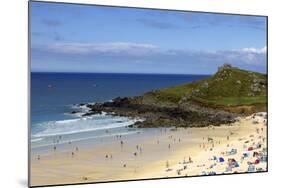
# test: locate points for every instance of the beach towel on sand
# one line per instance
(251, 168)
(221, 160)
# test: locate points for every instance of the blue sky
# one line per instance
(79, 38)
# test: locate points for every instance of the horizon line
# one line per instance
(58, 72)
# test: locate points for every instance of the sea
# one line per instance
(55, 95)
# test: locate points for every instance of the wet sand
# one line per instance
(155, 153)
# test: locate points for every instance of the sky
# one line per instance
(100, 39)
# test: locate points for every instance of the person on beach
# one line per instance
(167, 164)
(55, 148)
(76, 148)
(72, 154)
(189, 159)
(169, 146)
(38, 157)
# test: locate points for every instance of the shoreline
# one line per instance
(160, 150)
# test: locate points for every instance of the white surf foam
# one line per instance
(36, 139)
(83, 139)
(83, 124)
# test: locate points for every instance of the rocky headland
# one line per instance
(216, 100)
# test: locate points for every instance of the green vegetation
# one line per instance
(230, 86)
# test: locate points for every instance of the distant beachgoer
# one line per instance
(121, 143)
(227, 137)
(110, 156)
(38, 157)
(106, 156)
(76, 149)
(179, 140)
(135, 154)
(167, 164)
(189, 159)
(169, 146)
(85, 178)
(72, 154)
(60, 137)
(137, 147)
(124, 165)
(55, 148)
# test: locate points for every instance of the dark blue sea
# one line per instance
(55, 95)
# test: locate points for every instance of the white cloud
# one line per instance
(255, 50)
(93, 48)
(143, 52)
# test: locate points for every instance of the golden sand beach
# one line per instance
(159, 153)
